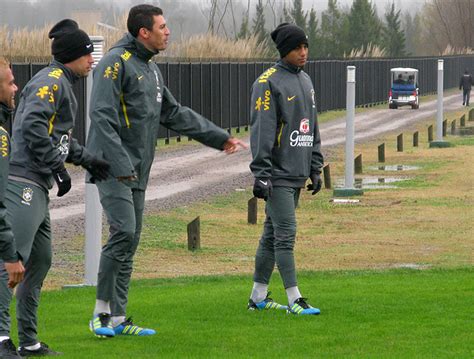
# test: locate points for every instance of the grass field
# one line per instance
(364, 314)
(393, 275)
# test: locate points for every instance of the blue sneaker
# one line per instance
(300, 307)
(101, 327)
(267, 303)
(128, 328)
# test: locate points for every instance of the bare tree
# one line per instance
(448, 23)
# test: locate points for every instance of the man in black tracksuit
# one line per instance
(41, 143)
(465, 83)
(286, 152)
(129, 102)
(12, 267)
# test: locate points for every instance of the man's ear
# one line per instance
(144, 33)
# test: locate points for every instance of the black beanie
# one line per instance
(288, 37)
(69, 42)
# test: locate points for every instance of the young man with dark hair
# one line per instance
(41, 143)
(129, 102)
(10, 262)
(286, 151)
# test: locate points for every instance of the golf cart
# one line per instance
(403, 88)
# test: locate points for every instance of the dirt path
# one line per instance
(193, 173)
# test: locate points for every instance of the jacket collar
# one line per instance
(70, 75)
(141, 51)
(289, 67)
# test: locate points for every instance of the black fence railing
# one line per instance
(221, 91)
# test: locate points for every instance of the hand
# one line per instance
(262, 188)
(315, 184)
(63, 180)
(232, 145)
(99, 169)
(15, 271)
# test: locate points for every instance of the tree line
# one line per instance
(441, 27)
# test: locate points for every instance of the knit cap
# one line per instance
(288, 37)
(69, 42)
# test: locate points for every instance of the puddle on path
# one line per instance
(394, 168)
(373, 182)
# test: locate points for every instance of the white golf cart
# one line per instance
(403, 88)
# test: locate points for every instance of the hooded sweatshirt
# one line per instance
(129, 101)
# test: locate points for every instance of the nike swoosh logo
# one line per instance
(291, 98)
(140, 77)
(89, 46)
(60, 179)
(263, 182)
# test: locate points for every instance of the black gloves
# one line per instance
(315, 184)
(262, 188)
(99, 169)
(63, 180)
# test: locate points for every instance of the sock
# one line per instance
(3, 339)
(117, 320)
(293, 294)
(259, 292)
(33, 347)
(101, 306)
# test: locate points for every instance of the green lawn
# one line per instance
(364, 314)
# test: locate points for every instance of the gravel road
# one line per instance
(192, 173)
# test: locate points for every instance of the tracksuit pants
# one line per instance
(278, 239)
(28, 214)
(124, 209)
(466, 94)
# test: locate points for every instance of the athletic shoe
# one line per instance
(100, 325)
(43, 350)
(128, 328)
(8, 350)
(267, 303)
(300, 307)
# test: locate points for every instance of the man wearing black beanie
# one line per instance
(41, 144)
(286, 152)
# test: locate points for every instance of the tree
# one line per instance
(244, 31)
(413, 33)
(259, 23)
(448, 23)
(313, 34)
(393, 35)
(298, 15)
(331, 31)
(364, 25)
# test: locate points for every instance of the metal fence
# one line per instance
(221, 91)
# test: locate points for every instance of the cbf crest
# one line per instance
(27, 195)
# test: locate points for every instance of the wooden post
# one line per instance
(453, 127)
(381, 150)
(252, 206)
(462, 121)
(327, 176)
(445, 127)
(400, 143)
(430, 133)
(415, 139)
(358, 164)
(471, 114)
(194, 235)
